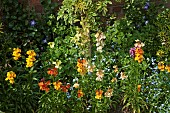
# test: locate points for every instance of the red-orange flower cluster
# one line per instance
(53, 71)
(65, 88)
(99, 94)
(80, 93)
(44, 85)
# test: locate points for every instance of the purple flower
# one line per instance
(132, 52)
(146, 5)
(33, 23)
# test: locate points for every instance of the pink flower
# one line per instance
(132, 52)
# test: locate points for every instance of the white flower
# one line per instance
(99, 49)
(123, 76)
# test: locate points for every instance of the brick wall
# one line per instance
(115, 7)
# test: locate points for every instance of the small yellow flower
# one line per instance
(51, 44)
(11, 81)
(10, 76)
(57, 85)
(57, 63)
(16, 53)
(31, 53)
(167, 68)
(29, 64)
(30, 59)
(17, 50)
(161, 66)
(160, 53)
(139, 57)
(76, 85)
(15, 58)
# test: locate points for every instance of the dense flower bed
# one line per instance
(68, 62)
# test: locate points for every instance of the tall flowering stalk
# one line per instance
(137, 51)
(31, 58)
(16, 53)
(82, 66)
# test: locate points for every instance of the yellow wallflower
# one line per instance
(16, 53)
(167, 68)
(160, 53)
(57, 85)
(29, 64)
(30, 59)
(17, 50)
(139, 57)
(31, 53)
(10, 76)
(161, 66)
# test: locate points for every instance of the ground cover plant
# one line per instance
(76, 60)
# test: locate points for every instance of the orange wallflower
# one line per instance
(82, 64)
(139, 51)
(57, 85)
(167, 68)
(65, 87)
(161, 66)
(53, 71)
(44, 85)
(80, 93)
(139, 55)
(139, 88)
(99, 94)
